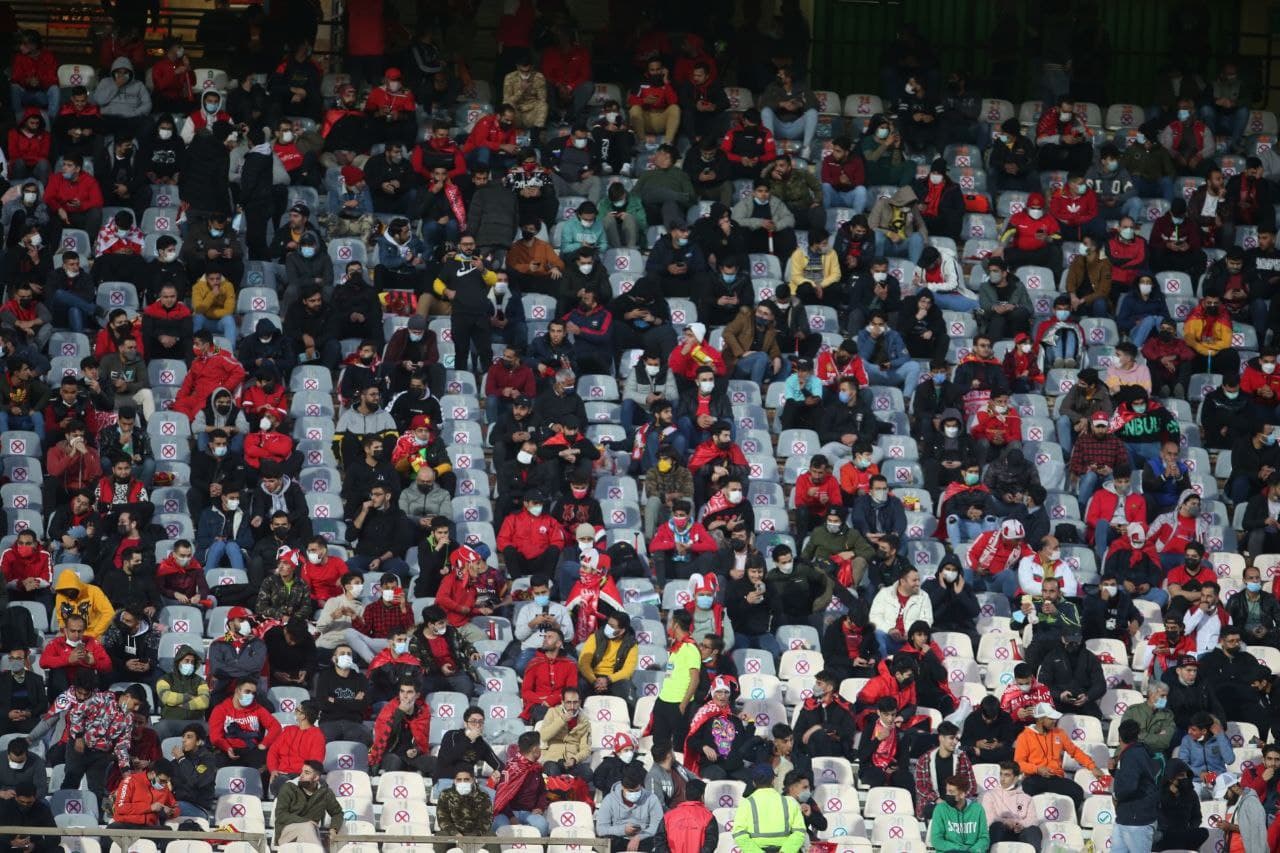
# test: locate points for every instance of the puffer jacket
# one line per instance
(90, 602)
(183, 697)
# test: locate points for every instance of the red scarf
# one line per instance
(585, 600)
(933, 198)
(1148, 550)
(852, 640)
(456, 204)
(518, 769)
(886, 750)
(704, 715)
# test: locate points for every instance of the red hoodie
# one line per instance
(295, 746)
(664, 92)
(262, 447)
(989, 422)
(1031, 234)
(29, 148)
(884, 684)
(1071, 209)
(255, 397)
(234, 727)
(401, 102)
(700, 541)
(489, 133)
(707, 453)
(457, 597)
(135, 797)
(169, 80)
(209, 372)
(686, 365)
(17, 568)
(60, 191)
(57, 655)
(545, 680)
(173, 577)
(529, 535)
(852, 166)
(813, 502)
(1102, 507)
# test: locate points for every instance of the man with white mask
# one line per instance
(386, 616)
(236, 655)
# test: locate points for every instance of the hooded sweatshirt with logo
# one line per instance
(88, 601)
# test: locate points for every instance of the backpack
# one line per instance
(976, 203)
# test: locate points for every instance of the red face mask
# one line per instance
(25, 550)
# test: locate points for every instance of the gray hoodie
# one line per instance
(882, 213)
(1251, 817)
(615, 813)
(128, 101)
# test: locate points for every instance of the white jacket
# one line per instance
(884, 609)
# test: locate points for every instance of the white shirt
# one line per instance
(1204, 626)
(531, 639)
(1031, 575)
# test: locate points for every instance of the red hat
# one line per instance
(462, 555)
(721, 685)
(420, 421)
(1099, 418)
(1035, 200)
(352, 175)
(622, 741)
(239, 613)
(393, 73)
(704, 584)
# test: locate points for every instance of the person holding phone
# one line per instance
(388, 615)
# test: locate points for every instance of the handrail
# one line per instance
(131, 834)
(471, 843)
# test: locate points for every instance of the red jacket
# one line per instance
(1127, 259)
(199, 119)
(829, 373)
(1071, 209)
(213, 370)
(288, 155)
(457, 596)
(169, 81)
(528, 535)
(686, 365)
(830, 487)
(884, 684)
(262, 447)
(17, 568)
(419, 727)
(489, 133)
(988, 421)
(73, 472)
(500, 377)
(57, 655)
(1102, 506)
(104, 344)
(1050, 129)
(545, 679)
(852, 166)
(767, 150)
(667, 96)
(1252, 379)
(707, 453)
(29, 149)
(254, 397)
(294, 746)
(234, 727)
(449, 148)
(1031, 234)
(700, 541)
(60, 191)
(400, 102)
(135, 797)
(42, 65)
(569, 67)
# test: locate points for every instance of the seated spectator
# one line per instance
(1008, 809)
(29, 148)
(1189, 141)
(959, 823)
(883, 754)
(445, 651)
(567, 734)
(123, 99)
(521, 792)
(989, 734)
(881, 149)
(302, 804)
(235, 658)
(241, 729)
(654, 106)
(1012, 163)
(74, 652)
(1206, 750)
(1040, 747)
(296, 747)
(769, 223)
(1156, 726)
(463, 808)
(1063, 141)
(183, 693)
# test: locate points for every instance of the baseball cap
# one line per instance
(1044, 709)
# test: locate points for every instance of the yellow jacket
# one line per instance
(1192, 330)
(206, 303)
(88, 601)
(797, 276)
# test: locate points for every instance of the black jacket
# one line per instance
(1134, 787)
(458, 752)
(1077, 673)
(1108, 619)
(714, 314)
(1230, 677)
(36, 701)
(193, 778)
(338, 694)
(952, 611)
(386, 530)
(1185, 701)
(946, 223)
(38, 816)
(841, 419)
(720, 408)
(1217, 412)
(295, 504)
(205, 183)
(1002, 729)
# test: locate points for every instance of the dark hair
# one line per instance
(960, 783)
(946, 727)
(781, 731)
(683, 618)
(633, 775)
(529, 740)
(694, 789)
(1129, 731)
(1202, 720)
(1023, 670)
(19, 746)
(794, 776)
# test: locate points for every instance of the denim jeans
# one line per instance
(398, 567)
(758, 367)
(855, 198)
(803, 128)
(1052, 351)
(909, 248)
(433, 233)
(1143, 329)
(1162, 188)
(906, 376)
(226, 327)
(1066, 435)
(678, 440)
(223, 554)
(1133, 209)
(186, 809)
(1226, 121)
(1005, 583)
(365, 647)
(34, 423)
(888, 645)
(1141, 452)
(955, 302)
(1102, 535)
(1089, 483)
(46, 100)
(1132, 839)
(79, 310)
(764, 642)
(964, 530)
(537, 821)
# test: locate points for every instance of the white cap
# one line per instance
(1044, 709)
(1222, 783)
(1012, 529)
(699, 330)
(721, 685)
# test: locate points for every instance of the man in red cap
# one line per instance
(611, 767)
(237, 654)
(391, 110)
(1034, 237)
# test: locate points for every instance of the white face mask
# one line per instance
(626, 756)
(706, 387)
(586, 546)
(734, 496)
(1035, 212)
(165, 133)
(1000, 410)
(611, 632)
(314, 558)
(879, 495)
(652, 370)
(935, 178)
(357, 590)
(786, 568)
(388, 595)
(631, 796)
(233, 505)
(1055, 555)
(264, 424)
(1024, 348)
(1064, 116)
(1268, 366)
(36, 241)
(181, 561)
(286, 137)
(29, 198)
(463, 788)
(1144, 289)
(245, 628)
(833, 526)
(524, 457)
(612, 118)
(879, 276)
(14, 765)
(949, 575)
(951, 431)
(346, 662)
(585, 269)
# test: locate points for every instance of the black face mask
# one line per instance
(739, 545)
(426, 488)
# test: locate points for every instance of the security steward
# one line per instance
(688, 827)
(768, 821)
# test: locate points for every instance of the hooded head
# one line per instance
(122, 64)
(903, 197)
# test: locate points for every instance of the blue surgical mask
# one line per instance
(844, 396)
(401, 647)
(1161, 703)
(542, 600)
(1139, 408)
(1253, 586)
(308, 251)
(705, 602)
(1230, 395)
(1183, 115)
(215, 232)
(939, 378)
(246, 699)
(682, 241)
(1062, 314)
(729, 277)
(1269, 438)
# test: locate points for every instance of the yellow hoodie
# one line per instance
(89, 601)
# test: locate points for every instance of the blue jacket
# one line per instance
(210, 525)
(1135, 787)
(389, 252)
(574, 234)
(1212, 756)
(894, 344)
(889, 517)
(1133, 309)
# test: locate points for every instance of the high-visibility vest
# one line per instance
(766, 817)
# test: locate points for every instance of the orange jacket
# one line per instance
(1034, 749)
(134, 798)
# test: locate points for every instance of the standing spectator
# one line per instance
(99, 731)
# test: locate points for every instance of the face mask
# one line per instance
(1144, 289)
(612, 118)
(804, 796)
(580, 143)
(706, 387)
(388, 595)
(463, 788)
(880, 495)
(1108, 590)
(1141, 139)
(401, 647)
(585, 269)
(11, 665)
(314, 559)
(536, 510)
(357, 590)
(1161, 703)
(833, 527)
(1268, 367)
(233, 505)
(1126, 233)
(264, 424)
(1253, 586)
(1035, 212)
(245, 628)
(862, 463)
(220, 451)
(1064, 115)
(882, 133)
(187, 668)
(971, 479)
(346, 662)
(1230, 395)
(951, 431)
(1062, 314)
(682, 241)
(246, 699)
(14, 765)
(1177, 220)
(1140, 408)
(29, 198)
(1191, 562)
(1001, 409)
(524, 457)
(308, 251)
(705, 602)
(1024, 348)
(1183, 115)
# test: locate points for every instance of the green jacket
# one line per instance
(800, 190)
(469, 815)
(634, 206)
(293, 805)
(962, 831)
(674, 180)
(1149, 165)
(1157, 726)
(823, 543)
